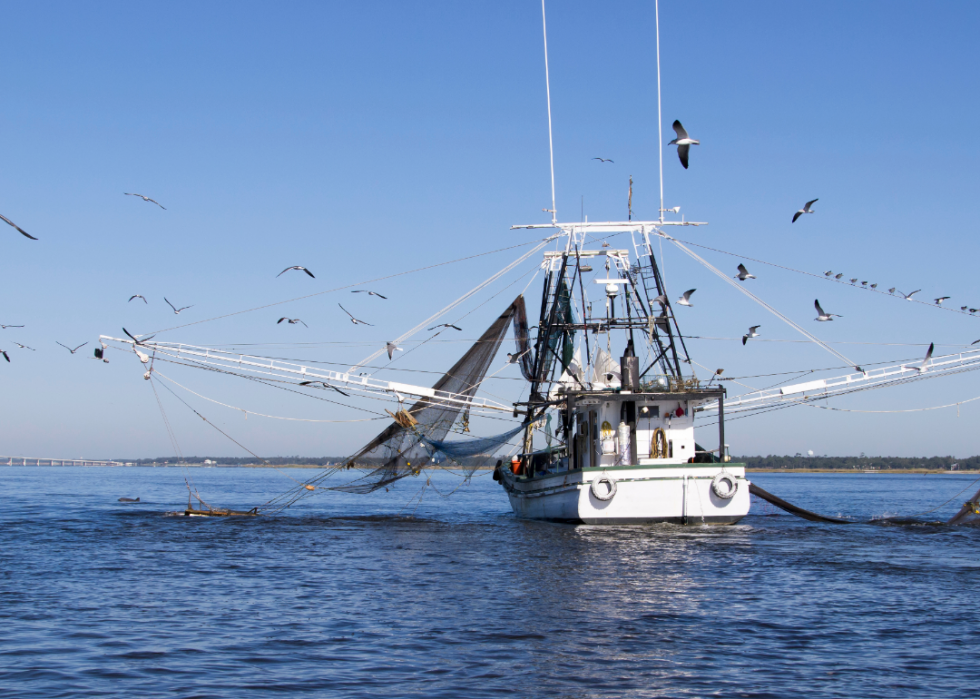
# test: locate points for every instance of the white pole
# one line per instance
(551, 146)
(660, 119)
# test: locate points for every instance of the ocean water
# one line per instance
(377, 596)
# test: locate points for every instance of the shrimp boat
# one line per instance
(622, 449)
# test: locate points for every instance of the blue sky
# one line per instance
(363, 139)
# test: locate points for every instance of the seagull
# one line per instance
(963, 308)
(133, 194)
(292, 321)
(823, 315)
(854, 281)
(5, 355)
(369, 293)
(683, 142)
(136, 296)
(743, 274)
(138, 341)
(864, 283)
(513, 358)
(176, 310)
(25, 347)
(827, 273)
(908, 297)
(922, 367)
(4, 327)
(662, 300)
(325, 385)
(19, 230)
(874, 286)
(750, 334)
(392, 348)
(603, 160)
(892, 290)
(939, 301)
(805, 210)
(975, 342)
(838, 276)
(354, 320)
(973, 310)
(70, 349)
(295, 267)
(685, 300)
(446, 325)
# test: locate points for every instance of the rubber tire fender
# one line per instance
(612, 488)
(716, 485)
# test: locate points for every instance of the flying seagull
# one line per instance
(685, 300)
(975, 342)
(25, 347)
(369, 293)
(939, 301)
(296, 267)
(821, 314)
(662, 300)
(750, 334)
(513, 358)
(136, 296)
(603, 160)
(177, 310)
(134, 194)
(5, 355)
(291, 321)
(805, 210)
(392, 348)
(4, 327)
(138, 340)
(70, 349)
(19, 229)
(354, 320)
(445, 325)
(908, 297)
(683, 142)
(325, 385)
(743, 274)
(922, 367)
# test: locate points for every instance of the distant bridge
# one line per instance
(45, 461)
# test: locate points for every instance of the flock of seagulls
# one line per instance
(891, 291)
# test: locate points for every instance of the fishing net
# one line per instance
(403, 448)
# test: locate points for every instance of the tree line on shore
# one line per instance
(862, 462)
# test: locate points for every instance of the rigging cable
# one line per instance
(762, 303)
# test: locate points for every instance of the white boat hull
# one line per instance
(678, 494)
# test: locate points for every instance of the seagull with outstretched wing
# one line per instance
(922, 367)
(136, 296)
(743, 274)
(292, 321)
(298, 267)
(70, 349)
(138, 340)
(603, 160)
(177, 310)
(354, 320)
(369, 293)
(685, 300)
(325, 385)
(823, 315)
(750, 334)
(144, 198)
(445, 325)
(683, 142)
(908, 297)
(391, 347)
(25, 347)
(805, 210)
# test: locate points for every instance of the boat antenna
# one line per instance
(551, 145)
(660, 119)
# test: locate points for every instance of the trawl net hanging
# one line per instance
(399, 450)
